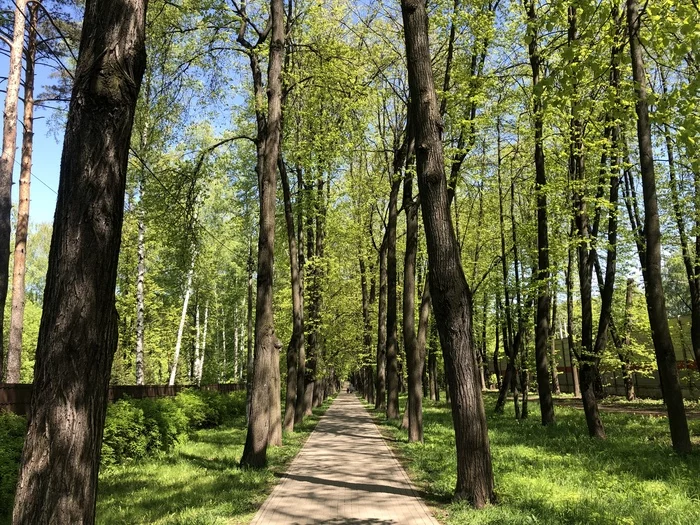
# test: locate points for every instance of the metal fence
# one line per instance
(16, 398)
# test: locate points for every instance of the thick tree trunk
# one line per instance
(14, 351)
(380, 402)
(542, 327)
(297, 339)
(452, 301)
(264, 418)
(7, 159)
(78, 333)
(392, 346)
(656, 301)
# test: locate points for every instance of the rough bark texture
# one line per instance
(414, 359)
(301, 358)
(542, 327)
(78, 333)
(451, 296)
(297, 338)
(14, 351)
(263, 413)
(656, 301)
(7, 159)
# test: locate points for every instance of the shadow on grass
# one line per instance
(201, 483)
(560, 475)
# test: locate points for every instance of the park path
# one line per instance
(345, 474)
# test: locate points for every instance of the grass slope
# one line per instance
(558, 475)
(199, 483)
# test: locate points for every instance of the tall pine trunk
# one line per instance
(78, 332)
(14, 351)
(452, 301)
(7, 159)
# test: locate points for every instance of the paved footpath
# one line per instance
(345, 474)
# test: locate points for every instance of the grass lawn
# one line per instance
(199, 483)
(558, 475)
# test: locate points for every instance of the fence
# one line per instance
(17, 397)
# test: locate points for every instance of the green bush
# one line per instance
(12, 430)
(166, 423)
(126, 435)
(195, 409)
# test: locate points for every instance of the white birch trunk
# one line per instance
(183, 317)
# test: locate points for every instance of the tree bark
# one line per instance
(380, 402)
(542, 327)
(301, 357)
(7, 159)
(414, 358)
(183, 318)
(140, 293)
(297, 338)
(452, 301)
(78, 333)
(656, 301)
(392, 370)
(264, 418)
(14, 351)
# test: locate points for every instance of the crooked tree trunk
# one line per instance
(542, 327)
(7, 159)
(78, 333)
(451, 296)
(264, 418)
(14, 351)
(656, 301)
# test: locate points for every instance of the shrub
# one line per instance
(165, 423)
(125, 435)
(194, 408)
(12, 430)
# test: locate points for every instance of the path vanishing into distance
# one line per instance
(345, 474)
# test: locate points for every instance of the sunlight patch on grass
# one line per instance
(199, 483)
(558, 475)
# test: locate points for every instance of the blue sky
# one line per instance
(47, 154)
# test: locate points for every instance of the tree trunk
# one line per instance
(250, 357)
(380, 402)
(542, 327)
(624, 360)
(14, 351)
(452, 301)
(555, 358)
(78, 333)
(183, 318)
(263, 417)
(299, 407)
(140, 293)
(297, 338)
(392, 371)
(656, 301)
(570, 320)
(7, 159)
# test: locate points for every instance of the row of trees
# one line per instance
(523, 155)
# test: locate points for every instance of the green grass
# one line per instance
(558, 475)
(199, 483)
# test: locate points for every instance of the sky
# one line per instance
(47, 153)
